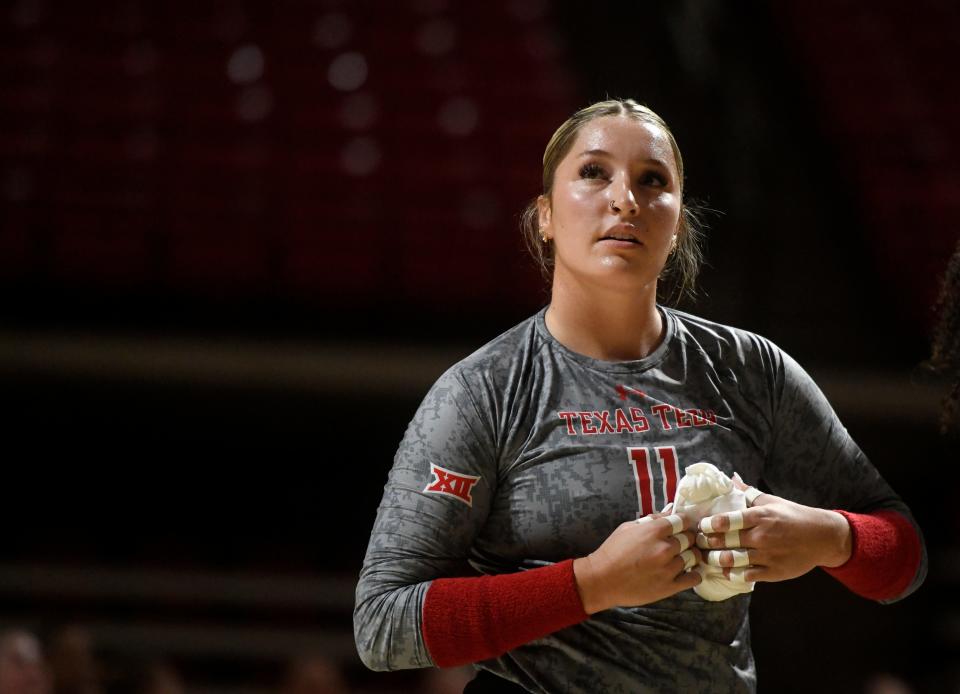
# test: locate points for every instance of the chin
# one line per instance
(609, 272)
(624, 280)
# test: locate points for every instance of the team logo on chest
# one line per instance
(450, 483)
(635, 419)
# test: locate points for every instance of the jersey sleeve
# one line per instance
(436, 500)
(813, 460)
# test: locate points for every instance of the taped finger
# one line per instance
(731, 539)
(676, 522)
(736, 575)
(729, 557)
(689, 559)
(751, 493)
(711, 524)
(684, 541)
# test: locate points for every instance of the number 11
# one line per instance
(656, 480)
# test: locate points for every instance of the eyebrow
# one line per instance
(605, 153)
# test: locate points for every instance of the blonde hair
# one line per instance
(683, 264)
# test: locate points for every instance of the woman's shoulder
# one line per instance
(720, 340)
(501, 357)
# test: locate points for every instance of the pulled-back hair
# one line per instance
(683, 265)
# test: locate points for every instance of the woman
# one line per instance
(528, 459)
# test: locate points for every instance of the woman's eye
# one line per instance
(592, 171)
(654, 178)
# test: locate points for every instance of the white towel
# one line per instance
(704, 491)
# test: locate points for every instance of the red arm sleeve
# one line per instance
(885, 558)
(470, 619)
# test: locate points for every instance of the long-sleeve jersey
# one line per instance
(526, 453)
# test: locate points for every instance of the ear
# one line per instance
(543, 214)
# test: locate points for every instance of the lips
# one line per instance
(622, 232)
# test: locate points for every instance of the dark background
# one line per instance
(239, 240)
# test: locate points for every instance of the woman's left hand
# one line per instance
(779, 539)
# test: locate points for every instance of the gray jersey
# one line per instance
(526, 453)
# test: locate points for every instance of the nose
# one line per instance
(622, 200)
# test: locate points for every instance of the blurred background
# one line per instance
(239, 239)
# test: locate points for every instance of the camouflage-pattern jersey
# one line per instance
(526, 453)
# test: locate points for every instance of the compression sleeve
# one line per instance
(813, 460)
(466, 620)
(886, 555)
(435, 502)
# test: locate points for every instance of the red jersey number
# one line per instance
(656, 476)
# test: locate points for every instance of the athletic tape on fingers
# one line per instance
(706, 491)
(751, 493)
(716, 585)
(683, 540)
(736, 575)
(741, 557)
(676, 522)
(731, 540)
(736, 522)
(689, 559)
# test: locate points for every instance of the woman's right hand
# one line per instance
(640, 562)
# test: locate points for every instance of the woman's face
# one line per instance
(614, 211)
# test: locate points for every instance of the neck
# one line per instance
(604, 323)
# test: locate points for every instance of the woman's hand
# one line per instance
(779, 539)
(640, 562)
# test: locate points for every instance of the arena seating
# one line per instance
(335, 152)
(884, 78)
